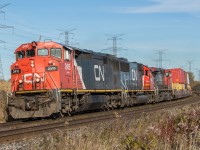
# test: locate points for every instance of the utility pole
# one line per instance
(190, 65)
(160, 59)
(1, 70)
(66, 33)
(114, 39)
(199, 74)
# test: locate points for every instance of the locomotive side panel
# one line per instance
(85, 61)
(115, 65)
(125, 75)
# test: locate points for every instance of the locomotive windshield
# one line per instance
(56, 52)
(20, 54)
(42, 52)
(30, 53)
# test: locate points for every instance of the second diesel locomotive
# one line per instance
(49, 78)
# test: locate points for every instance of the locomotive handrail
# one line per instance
(15, 83)
(8, 95)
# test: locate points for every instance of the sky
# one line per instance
(142, 27)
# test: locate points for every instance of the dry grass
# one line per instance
(177, 129)
(5, 87)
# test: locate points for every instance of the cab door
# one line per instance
(67, 69)
(146, 78)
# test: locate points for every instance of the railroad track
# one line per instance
(19, 129)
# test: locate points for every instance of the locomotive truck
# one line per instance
(50, 78)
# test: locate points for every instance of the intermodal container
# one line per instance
(178, 75)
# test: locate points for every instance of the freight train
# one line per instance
(50, 78)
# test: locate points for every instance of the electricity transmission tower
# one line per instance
(66, 33)
(114, 39)
(3, 27)
(159, 61)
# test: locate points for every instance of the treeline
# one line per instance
(194, 84)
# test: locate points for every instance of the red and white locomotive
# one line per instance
(50, 78)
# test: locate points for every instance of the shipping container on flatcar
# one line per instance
(179, 82)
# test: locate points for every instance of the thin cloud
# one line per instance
(165, 6)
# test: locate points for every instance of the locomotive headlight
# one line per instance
(32, 63)
(16, 66)
(50, 63)
(20, 81)
(37, 80)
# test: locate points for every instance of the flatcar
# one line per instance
(50, 78)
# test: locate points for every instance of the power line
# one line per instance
(1, 25)
(2, 41)
(2, 6)
(5, 26)
(66, 33)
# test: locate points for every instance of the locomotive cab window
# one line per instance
(42, 52)
(56, 52)
(67, 54)
(30, 53)
(167, 74)
(20, 55)
(146, 72)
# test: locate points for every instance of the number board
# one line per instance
(51, 68)
(15, 71)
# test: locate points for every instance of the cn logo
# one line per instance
(99, 73)
(67, 66)
(28, 78)
(134, 75)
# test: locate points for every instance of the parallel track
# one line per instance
(18, 129)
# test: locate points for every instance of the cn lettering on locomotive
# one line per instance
(99, 73)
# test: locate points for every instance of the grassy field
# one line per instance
(169, 129)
